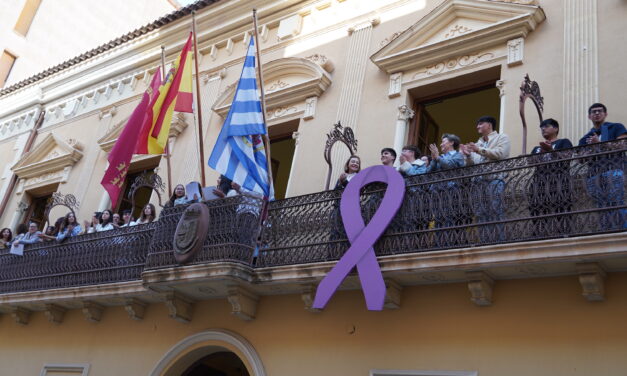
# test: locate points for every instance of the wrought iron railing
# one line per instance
(564, 193)
(91, 259)
(232, 233)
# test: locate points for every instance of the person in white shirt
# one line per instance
(104, 224)
(488, 207)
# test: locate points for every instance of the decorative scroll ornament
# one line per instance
(191, 232)
(147, 180)
(529, 89)
(341, 134)
(362, 237)
(59, 199)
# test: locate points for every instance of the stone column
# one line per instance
(352, 87)
(402, 121)
(500, 84)
(581, 73)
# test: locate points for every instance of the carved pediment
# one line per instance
(106, 142)
(454, 28)
(50, 155)
(286, 81)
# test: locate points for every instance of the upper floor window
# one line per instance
(6, 63)
(26, 16)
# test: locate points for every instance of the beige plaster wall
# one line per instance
(535, 327)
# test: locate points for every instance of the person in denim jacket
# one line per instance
(455, 212)
(411, 164)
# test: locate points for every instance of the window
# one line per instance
(65, 370)
(36, 211)
(6, 63)
(26, 16)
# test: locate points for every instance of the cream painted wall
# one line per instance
(62, 30)
(535, 327)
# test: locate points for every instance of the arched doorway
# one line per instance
(221, 363)
(211, 353)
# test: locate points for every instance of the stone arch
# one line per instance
(196, 346)
(292, 87)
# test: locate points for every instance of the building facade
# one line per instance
(522, 294)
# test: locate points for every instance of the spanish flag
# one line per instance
(153, 136)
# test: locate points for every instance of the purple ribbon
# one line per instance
(362, 237)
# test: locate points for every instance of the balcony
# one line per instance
(550, 214)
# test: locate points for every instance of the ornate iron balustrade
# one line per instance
(565, 193)
(232, 234)
(558, 194)
(91, 259)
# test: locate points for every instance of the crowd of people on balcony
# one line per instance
(605, 185)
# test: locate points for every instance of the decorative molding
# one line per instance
(453, 64)
(393, 292)
(515, 51)
(21, 315)
(135, 308)
(19, 123)
(54, 313)
(405, 113)
(370, 23)
(107, 141)
(389, 39)
(263, 33)
(307, 295)
(289, 27)
(480, 285)
(279, 112)
(310, 108)
(92, 311)
(457, 30)
(276, 85)
(180, 308)
(524, 2)
(396, 82)
(592, 280)
(243, 303)
(229, 46)
(296, 137)
(420, 45)
(305, 79)
(322, 61)
(500, 84)
(195, 341)
(49, 162)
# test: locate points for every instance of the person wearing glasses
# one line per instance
(605, 180)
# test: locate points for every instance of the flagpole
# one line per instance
(263, 99)
(198, 104)
(167, 144)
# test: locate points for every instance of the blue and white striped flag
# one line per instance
(239, 152)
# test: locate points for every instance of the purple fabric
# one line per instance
(362, 237)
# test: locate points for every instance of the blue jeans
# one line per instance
(489, 207)
(608, 190)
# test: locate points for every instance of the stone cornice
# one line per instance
(505, 21)
(38, 161)
(539, 259)
(309, 80)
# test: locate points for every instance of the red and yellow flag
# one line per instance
(153, 136)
